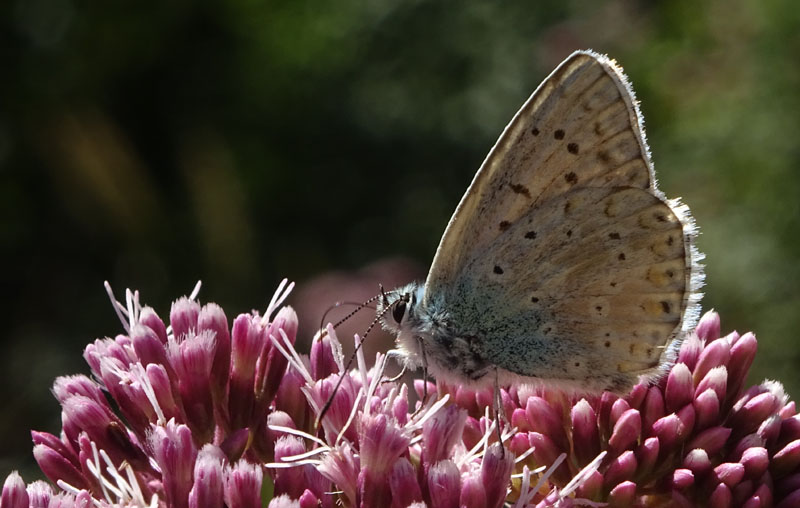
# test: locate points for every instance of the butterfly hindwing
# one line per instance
(601, 284)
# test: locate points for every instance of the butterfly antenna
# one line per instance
(352, 356)
(336, 305)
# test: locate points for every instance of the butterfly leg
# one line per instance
(499, 413)
(424, 379)
(396, 378)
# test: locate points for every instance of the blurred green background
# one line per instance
(153, 144)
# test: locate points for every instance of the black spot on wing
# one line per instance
(535, 131)
(571, 178)
(559, 134)
(573, 148)
(504, 225)
(498, 270)
(530, 235)
(521, 189)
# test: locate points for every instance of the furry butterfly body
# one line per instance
(563, 262)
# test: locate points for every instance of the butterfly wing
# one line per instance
(529, 255)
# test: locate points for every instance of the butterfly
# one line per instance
(563, 263)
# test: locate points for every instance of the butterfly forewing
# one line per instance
(579, 128)
(563, 257)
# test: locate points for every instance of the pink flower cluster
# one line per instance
(203, 414)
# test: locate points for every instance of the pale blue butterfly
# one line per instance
(563, 263)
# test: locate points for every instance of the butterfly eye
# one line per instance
(399, 311)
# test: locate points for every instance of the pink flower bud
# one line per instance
(14, 493)
(708, 328)
(207, 490)
(668, 430)
(175, 453)
(754, 411)
(441, 432)
(617, 409)
(283, 501)
(545, 420)
(742, 354)
(622, 495)
(626, 431)
(54, 443)
(607, 400)
(403, 484)
(291, 399)
(647, 454)
(592, 486)
(690, 351)
(444, 484)
(787, 459)
(322, 361)
(247, 343)
(682, 479)
(636, 396)
(496, 470)
(192, 357)
(697, 461)
(272, 365)
(212, 320)
(183, 316)
(545, 452)
(519, 443)
(755, 461)
(472, 432)
(729, 473)
(65, 386)
(243, 485)
(711, 440)
(102, 428)
(621, 468)
(653, 409)
(790, 429)
(149, 348)
(150, 319)
(381, 443)
(290, 480)
(308, 500)
(56, 467)
(721, 497)
(715, 379)
(715, 354)
(40, 493)
(706, 407)
(680, 388)
(473, 493)
(585, 435)
(342, 467)
(770, 429)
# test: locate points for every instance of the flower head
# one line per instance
(200, 413)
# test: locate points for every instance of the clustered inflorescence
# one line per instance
(202, 413)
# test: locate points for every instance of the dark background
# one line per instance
(154, 144)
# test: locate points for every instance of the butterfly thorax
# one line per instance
(427, 338)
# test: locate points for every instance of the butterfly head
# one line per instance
(397, 307)
(401, 314)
